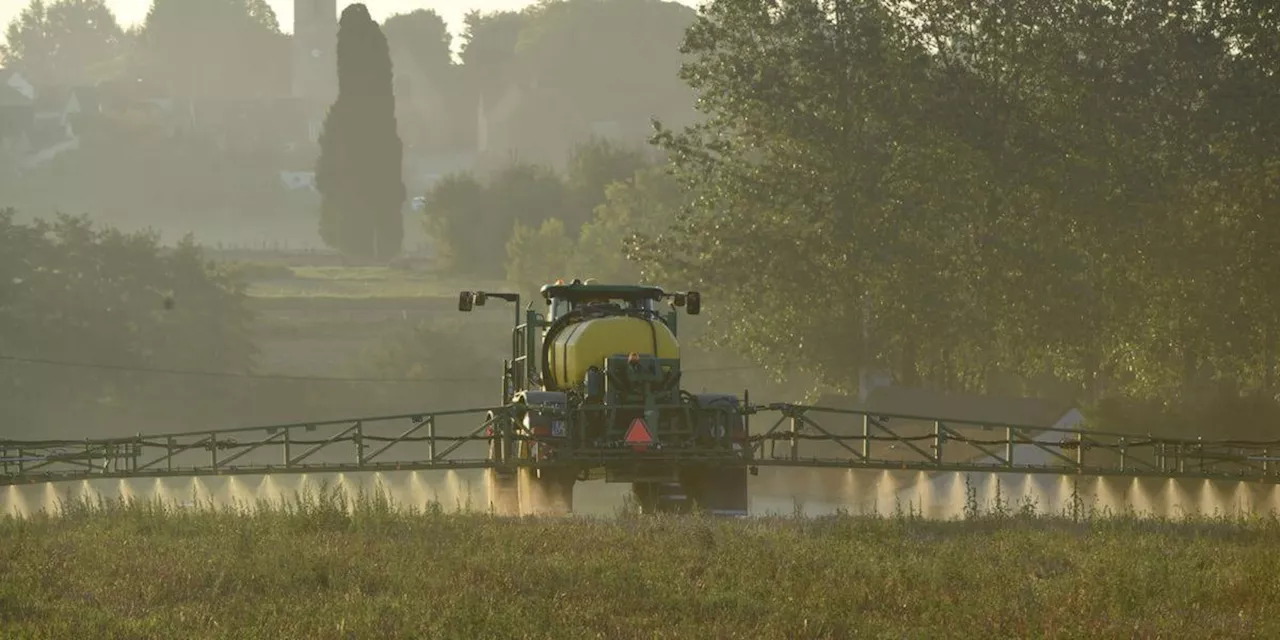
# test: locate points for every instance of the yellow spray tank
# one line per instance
(587, 343)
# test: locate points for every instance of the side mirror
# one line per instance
(693, 300)
(466, 300)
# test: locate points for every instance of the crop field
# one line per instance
(317, 567)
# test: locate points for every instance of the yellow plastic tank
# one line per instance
(586, 344)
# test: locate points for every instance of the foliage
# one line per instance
(467, 218)
(130, 171)
(462, 226)
(594, 165)
(73, 293)
(559, 71)
(644, 204)
(359, 170)
(471, 221)
(489, 50)
(538, 255)
(614, 60)
(426, 81)
(321, 565)
(63, 43)
(431, 351)
(529, 193)
(959, 189)
(183, 46)
(459, 364)
(421, 39)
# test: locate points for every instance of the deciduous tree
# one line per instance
(95, 298)
(64, 43)
(1061, 190)
(186, 46)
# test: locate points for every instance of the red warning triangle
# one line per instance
(638, 435)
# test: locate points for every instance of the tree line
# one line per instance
(570, 63)
(612, 61)
(73, 292)
(1065, 197)
(530, 224)
(1061, 198)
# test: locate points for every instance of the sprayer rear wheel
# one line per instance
(720, 491)
(660, 497)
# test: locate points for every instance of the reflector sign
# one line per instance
(638, 435)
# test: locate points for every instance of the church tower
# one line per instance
(315, 49)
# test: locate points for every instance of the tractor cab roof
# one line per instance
(577, 291)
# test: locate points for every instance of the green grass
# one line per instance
(308, 569)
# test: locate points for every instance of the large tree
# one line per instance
(421, 40)
(489, 51)
(92, 317)
(359, 172)
(214, 49)
(1064, 191)
(66, 42)
(616, 61)
(430, 107)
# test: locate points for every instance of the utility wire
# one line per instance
(268, 376)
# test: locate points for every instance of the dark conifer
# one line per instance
(359, 169)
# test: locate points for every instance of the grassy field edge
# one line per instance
(322, 566)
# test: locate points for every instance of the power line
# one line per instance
(268, 376)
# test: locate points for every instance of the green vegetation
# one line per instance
(547, 225)
(73, 292)
(1048, 199)
(1061, 198)
(310, 568)
(70, 42)
(359, 173)
(185, 47)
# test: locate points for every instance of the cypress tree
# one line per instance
(358, 173)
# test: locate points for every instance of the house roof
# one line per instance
(9, 96)
(925, 403)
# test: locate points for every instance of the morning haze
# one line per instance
(878, 198)
(148, 122)
(1011, 263)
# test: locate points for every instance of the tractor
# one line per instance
(592, 390)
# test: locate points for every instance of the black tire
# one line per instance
(722, 491)
(661, 497)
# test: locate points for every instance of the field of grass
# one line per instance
(298, 281)
(312, 570)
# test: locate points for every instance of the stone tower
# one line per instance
(315, 46)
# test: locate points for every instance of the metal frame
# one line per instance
(833, 438)
(939, 444)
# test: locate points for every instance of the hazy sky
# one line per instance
(133, 11)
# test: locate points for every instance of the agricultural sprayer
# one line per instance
(594, 389)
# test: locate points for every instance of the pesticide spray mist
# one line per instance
(775, 491)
